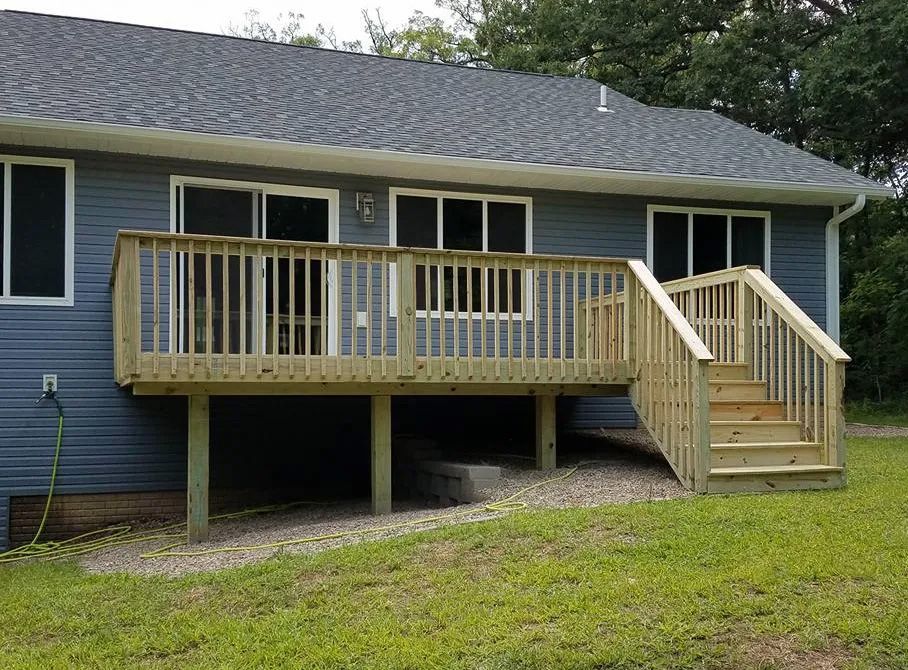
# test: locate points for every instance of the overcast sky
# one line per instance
(215, 17)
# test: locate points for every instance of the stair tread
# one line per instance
(763, 445)
(773, 469)
(755, 422)
(738, 382)
(745, 402)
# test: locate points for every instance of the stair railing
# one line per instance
(669, 364)
(744, 317)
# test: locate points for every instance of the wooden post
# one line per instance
(630, 321)
(545, 432)
(381, 454)
(744, 321)
(197, 485)
(700, 434)
(406, 315)
(835, 414)
(129, 305)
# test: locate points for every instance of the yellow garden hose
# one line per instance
(116, 536)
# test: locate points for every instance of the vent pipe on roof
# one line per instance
(603, 99)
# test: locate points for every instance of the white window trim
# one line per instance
(67, 300)
(721, 211)
(332, 195)
(485, 198)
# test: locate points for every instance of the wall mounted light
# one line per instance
(365, 205)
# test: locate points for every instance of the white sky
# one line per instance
(215, 17)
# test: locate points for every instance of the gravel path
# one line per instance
(867, 430)
(617, 478)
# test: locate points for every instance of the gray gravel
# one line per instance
(616, 478)
(868, 430)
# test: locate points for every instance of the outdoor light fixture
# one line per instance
(365, 205)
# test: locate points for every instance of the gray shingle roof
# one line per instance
(85, 70)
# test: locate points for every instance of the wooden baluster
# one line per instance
(354, 309)
(788, 398)
(174, 308)
(339, 311)
(549, 318)
(483, 312)
(455, 284)
(496, 293)
(470, 317)
(190, 335)
(509, 288)
(156, 306)
(369, 314)
(612, 323)
(723, 314)
(225, 309)
(384, 315)
(428, 316)
(442, 318)
(537, 318)
(243, 310)
(291, 285)
(323, 313)
(523, 275)
(259, 311)
(797, 385)
(209, 309)
(816, 396)
(562, 318)
(588, 343)
(406, 315)
(575, 282)
(307, 300)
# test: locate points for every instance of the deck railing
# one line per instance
(208, 308)
(743, 317)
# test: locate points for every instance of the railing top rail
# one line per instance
(802, 324)
(672, 313)
(342, 246)
(706, 279)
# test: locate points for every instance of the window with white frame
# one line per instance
(36, 231)
(687, 241)
(451, 220)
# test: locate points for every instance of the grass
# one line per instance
(787, 580)
(893, 413)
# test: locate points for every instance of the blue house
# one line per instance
(244, 260)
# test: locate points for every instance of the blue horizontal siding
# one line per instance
(117, 442)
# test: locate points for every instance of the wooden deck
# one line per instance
(495, 323)
(738, 387)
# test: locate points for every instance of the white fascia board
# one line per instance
(168, 142)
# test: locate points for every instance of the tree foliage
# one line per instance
(828, 76)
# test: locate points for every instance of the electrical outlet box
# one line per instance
(362, 319)
(49, 383)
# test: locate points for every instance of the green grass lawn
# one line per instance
(879, 414)
(787, 580)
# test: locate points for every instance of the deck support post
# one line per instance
(197, 484)
(381, 454)
(545, 432)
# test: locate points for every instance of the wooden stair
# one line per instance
(753, 447)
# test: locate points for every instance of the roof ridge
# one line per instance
(256, 40)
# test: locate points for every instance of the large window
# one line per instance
(36, 231)
(682, 242)
(434, 220)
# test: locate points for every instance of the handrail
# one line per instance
(670, 364)
(347, 246)
(672, 313)
(797, 319)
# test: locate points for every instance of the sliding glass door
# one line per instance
(257, 211)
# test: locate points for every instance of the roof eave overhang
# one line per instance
(162, 142)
